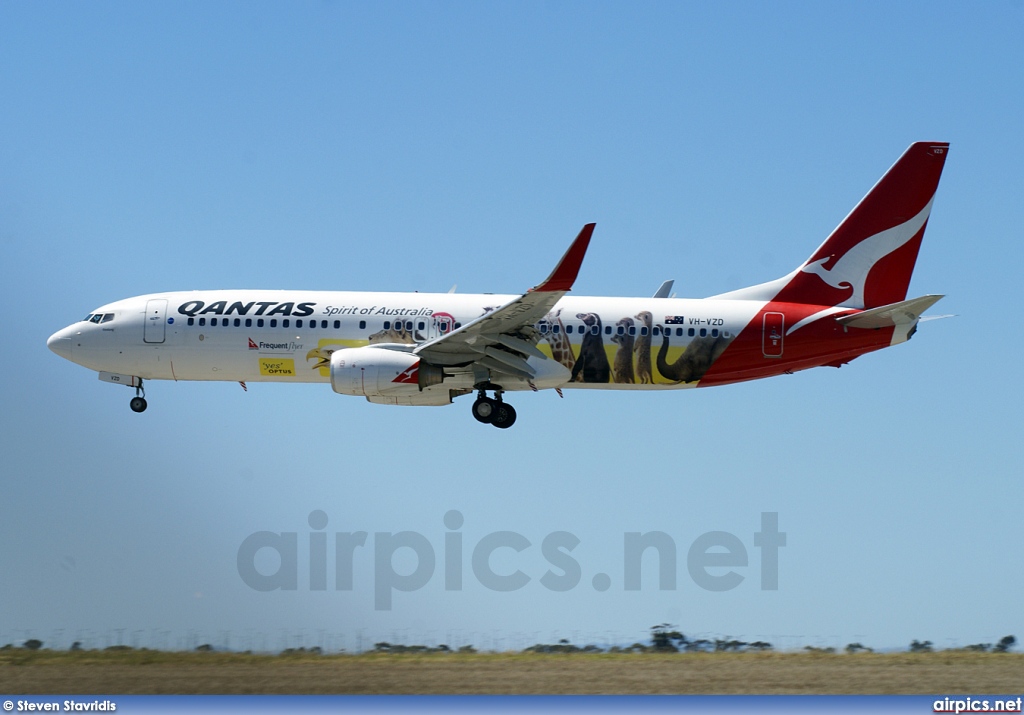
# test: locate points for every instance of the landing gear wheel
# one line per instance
(138, 404)
(484, 410)
(504, 416)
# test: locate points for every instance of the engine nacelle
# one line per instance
(379, 372)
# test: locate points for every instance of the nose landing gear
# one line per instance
(138, 403)
(493, 411)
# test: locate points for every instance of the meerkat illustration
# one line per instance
(642, 348)
(593, 360)
(622, 367)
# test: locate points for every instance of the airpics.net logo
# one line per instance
(715, 560)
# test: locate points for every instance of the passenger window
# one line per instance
(656, 330)
(458, 325)
(679, 332)
(191, 321)
(620, 330)
(213, 321)
(408, 325)
(285, 323)
(421, 325)
(643, 330)
(248, 322)
(362, 325)
(259, 322)
(725, 333)
(607, 330)
(595, 330)
(323, 324)
(632, 330)
(238, 322)
(387, 325)
(555, 329)
(714, 332)
(690, 332)
(337, 324)
(703, 332)
(202, 321)
(298, 323)
(544, 329)
(273, 322)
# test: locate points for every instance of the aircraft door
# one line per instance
(772, 334)
(156, 321)
(440, 324)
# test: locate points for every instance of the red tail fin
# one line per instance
(868, 260)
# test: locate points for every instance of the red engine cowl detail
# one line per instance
(374, 372)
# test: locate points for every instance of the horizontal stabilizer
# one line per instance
(902, 313)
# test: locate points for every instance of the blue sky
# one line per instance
(172, 146)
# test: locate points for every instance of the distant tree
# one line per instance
(665, 639)
(858, 648)
(77, 645)
(978, 647)
(467, 649)
(563, 646)
(921, 646)
(761, 645)
(1004, 644)
(204, 648)
(32, 644)
(812, 649)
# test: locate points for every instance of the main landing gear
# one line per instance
(138, 403)
(493, 411)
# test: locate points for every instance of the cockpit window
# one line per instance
(98, 318)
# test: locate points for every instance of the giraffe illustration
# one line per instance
(561, 348)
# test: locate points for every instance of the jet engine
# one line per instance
(379, 372)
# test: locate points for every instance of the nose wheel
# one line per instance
(138, 403)
(493, 410)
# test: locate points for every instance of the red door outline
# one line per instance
(772, 334)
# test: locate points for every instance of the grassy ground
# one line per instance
(141, 672)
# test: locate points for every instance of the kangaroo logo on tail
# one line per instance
(851, 270)
(867, 261)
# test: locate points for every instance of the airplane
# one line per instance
(847, 299)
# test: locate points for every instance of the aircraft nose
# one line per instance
(60, 344)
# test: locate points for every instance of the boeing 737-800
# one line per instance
(847, 299)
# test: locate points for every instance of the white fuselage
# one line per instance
(283, 336)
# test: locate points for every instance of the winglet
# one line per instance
(564, 275)
(665, 289)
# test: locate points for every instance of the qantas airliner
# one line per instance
(847, 299)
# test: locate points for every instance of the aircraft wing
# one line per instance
(504, 338)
